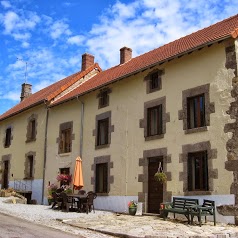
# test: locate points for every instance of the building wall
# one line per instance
(126, 105)
(68, 112)
(19, 148)
(128, 150)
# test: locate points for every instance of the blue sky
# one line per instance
(51, 36)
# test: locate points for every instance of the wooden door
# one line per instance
(5, 174)
(155, 189)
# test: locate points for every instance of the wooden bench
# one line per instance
(206, 209)
(179, 206)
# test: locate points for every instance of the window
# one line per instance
(196, 111)
(102, 178)
(65, 142)
(103, 99)
(65, 138)
(103, 126)
(29, 169)
(154, 120)
(32, 129)
(155, 81)
(8, 137)
(197, 171)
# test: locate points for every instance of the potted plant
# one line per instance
(132, 207)
(51, 188)
(160, 177)
(67, 189)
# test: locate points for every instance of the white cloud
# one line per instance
(58, 29)
(76, 40)
(12, 95)
(14, 22)
(25, 44)
(6, 4)
(10, 20)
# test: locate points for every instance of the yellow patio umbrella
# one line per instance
(78, 175)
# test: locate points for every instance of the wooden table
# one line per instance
(81, 198)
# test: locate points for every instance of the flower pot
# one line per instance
(50, 201)
(132, 211)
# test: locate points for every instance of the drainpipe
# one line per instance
(81, 128)
(45, 150)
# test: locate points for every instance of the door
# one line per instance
(5, 174)
(155, 189)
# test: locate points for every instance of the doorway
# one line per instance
(155, 189)
(5, 181)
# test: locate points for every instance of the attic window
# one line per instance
(103, 98)
(153, 81)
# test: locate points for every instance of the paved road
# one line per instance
(12, 227)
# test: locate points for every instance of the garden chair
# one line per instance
(57, 199)
(67, 202)
(88, 205)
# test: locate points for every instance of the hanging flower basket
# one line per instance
(160, 177)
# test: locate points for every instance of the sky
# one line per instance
(43, 41)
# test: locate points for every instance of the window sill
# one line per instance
(154, 90)
(30, 140)
(30, 178)
(155, 137)
(196, 193)
(64, 154)
(102, 146)
(102, 194)
(195, 130)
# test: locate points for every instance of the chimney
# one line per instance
(87, 61)
(125, 54)
(25, 91)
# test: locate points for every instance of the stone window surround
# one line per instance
(143, 178)
(100, 160)
(28, 131)
(231, 62)
(212, 173)
(108, 90)
(165, 117)
(209, 107)
(110, 129)
(6, 158)
(64, 126)
(4, 139)
(26, 172)
(147, 80)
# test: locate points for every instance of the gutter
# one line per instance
(45, 153)
(147, 67)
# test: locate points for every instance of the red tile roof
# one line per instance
(214, 33)
(48, 93)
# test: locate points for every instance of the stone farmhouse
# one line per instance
(173, 108)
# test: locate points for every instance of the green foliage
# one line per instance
(160, 177)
